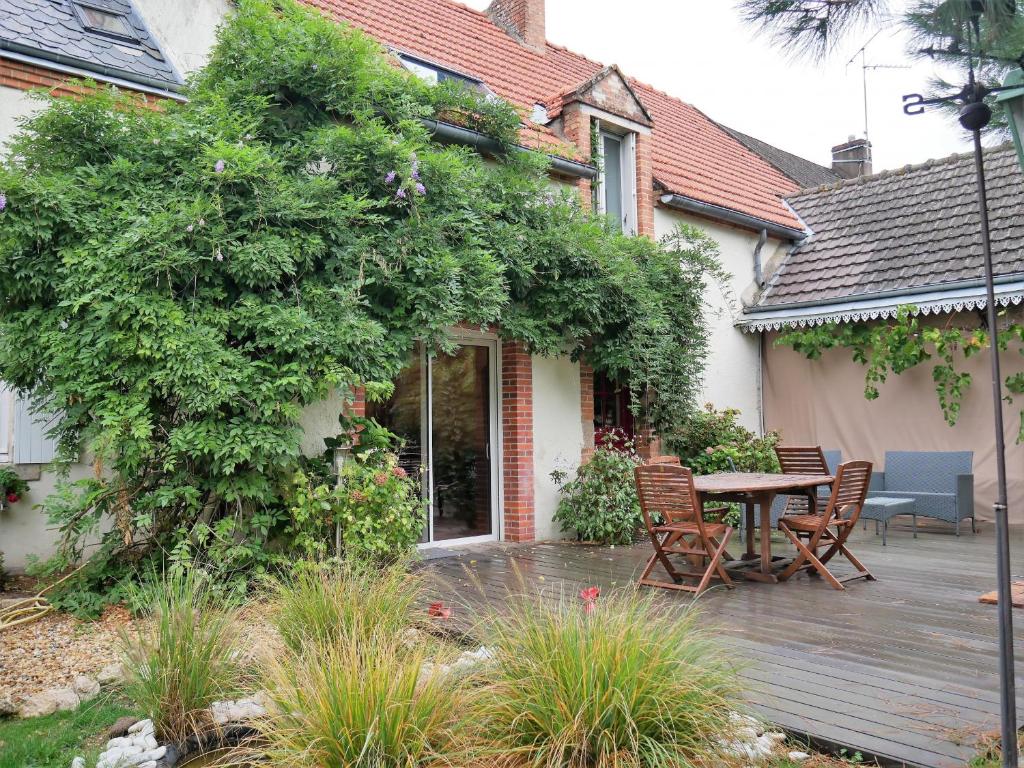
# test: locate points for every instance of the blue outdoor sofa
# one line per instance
(941, 483)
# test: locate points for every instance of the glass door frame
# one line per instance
(466, 337)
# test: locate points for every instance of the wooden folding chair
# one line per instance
(802, 460)
(674, 517)
(831, 528)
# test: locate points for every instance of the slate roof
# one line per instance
(803, 172)
(52, 30)
(692, 155)
(911, 229)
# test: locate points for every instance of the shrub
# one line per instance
(711, 438)
(600, 504)
(611, 681)
(186, 659)
(378, 509)
(322, 604)
(12, 487)
(365, 703)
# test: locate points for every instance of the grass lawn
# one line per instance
(52, 741)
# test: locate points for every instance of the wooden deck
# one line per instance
(902, 669)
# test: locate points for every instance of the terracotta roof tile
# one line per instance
(692, 155)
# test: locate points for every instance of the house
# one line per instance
(662, 163)
(904, 237)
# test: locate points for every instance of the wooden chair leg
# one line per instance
(806, 555)
(660, 556)
(721, 553)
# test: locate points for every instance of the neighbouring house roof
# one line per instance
(59, 33)
(803, 172)
(908, 236)
(692, 156)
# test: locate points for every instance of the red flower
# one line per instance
(381, 478)
(13, 497)
(357, 497)
(399, 472)
(589, 607)
(439, 610)
(590, 594)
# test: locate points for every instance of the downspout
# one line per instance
(758, 274)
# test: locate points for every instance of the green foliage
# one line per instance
(712, 439)
(179, 283)
(186, 660)
(600, 504)
(378, 509)
(53, 740)
(322, 604)
(365, 703)
(621, 682)
(905, 342)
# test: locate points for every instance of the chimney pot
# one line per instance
(852, 159)
(522, 19)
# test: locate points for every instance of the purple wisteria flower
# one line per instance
(218, 255)
(218, 167)
(415, 170)
(400, 194)
(3, 201)
(415, 175)
(420, 189)
(189, 228)
(390, 178)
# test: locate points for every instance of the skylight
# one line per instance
(432, 73)
(105, 22)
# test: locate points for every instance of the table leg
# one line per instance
(766, 533)
(749, 512)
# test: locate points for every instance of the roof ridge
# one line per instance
(903, 170)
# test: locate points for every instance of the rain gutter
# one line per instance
(721, 213)
(454, 134)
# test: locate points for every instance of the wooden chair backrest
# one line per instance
(667, 491)
(670, 460)
(849, 490)
(802, 459)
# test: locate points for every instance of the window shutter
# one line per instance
(6, 423)
(31, 445)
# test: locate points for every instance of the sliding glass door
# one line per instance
(444, 408)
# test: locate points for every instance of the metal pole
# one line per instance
(1007, 682)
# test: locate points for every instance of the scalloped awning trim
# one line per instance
(865, 310)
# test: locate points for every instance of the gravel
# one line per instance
(54, 650)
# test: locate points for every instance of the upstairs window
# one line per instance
(617, 184)
(105, 22)
(434, 74)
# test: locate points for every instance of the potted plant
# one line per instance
(12, 487)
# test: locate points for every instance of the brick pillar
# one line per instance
(644, 187)
(576, 128)
(587, 409)
(517, 434)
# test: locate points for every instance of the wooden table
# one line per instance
(750, 488)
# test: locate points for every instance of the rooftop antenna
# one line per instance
(864, 66)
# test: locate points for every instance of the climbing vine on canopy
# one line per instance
(905, 342)
(179, 282)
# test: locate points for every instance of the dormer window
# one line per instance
(434, 74)
(616, 193)
(105, 22)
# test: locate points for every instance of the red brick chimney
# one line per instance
(522, 19)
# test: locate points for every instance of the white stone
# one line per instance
(798, 757)
(86, 687)
(112, 674)
(120, 741)
(48, 702)
(148, 764)
(142, 725)
(78, 762)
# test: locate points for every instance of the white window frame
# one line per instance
(6, 424)
(628, 173)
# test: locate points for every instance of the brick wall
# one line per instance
(587, 409)
(523, 19)
(576, 128)
(645, 195)
(25, 77)
(517, 436)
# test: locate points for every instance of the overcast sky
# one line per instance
(701, 52)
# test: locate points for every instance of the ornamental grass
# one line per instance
(606, 682)
(365, 701)
(185, 658)
(320, 604)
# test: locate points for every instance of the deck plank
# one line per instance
(903, 668)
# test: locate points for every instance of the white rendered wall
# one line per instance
(14, 104)
(557, 435)
(732, 378)
(186, 29)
